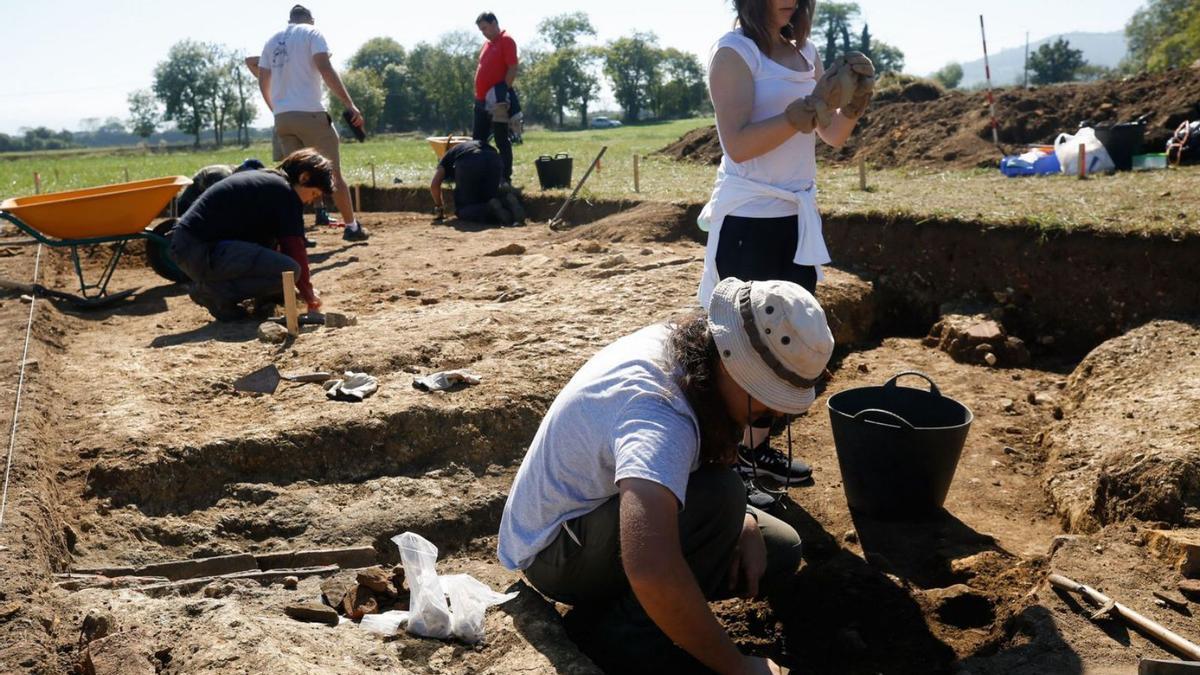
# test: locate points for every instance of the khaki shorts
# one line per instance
(297, 130)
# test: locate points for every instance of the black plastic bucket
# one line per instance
(554, 172)
(1122, 141)
(897, 447)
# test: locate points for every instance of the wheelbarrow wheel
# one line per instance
(159, 255)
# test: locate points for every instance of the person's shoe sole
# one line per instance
(761, 471)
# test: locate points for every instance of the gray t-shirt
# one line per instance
(623, 415)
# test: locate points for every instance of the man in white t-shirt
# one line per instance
(626, 505)
(293, 64)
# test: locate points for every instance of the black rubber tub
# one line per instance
(554, 172)
(897, 447)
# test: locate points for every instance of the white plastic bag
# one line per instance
(387, 623)
(469, 601)
(1066, 147)
(428, 613)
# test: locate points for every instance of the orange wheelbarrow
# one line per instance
(109, 214)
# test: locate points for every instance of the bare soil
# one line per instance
(921, 128)
(134, 448)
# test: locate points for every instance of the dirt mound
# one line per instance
(1127, 447)
(954, 129)
(643, 223)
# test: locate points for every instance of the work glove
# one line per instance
(807, 113)
(864, 85)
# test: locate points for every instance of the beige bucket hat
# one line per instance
(773, 339)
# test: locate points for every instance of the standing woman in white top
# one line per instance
(772, 99)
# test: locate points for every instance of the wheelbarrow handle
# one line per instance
(858, 416)
(933, 388)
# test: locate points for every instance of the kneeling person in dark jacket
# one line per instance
(245, 231)
(476, 170)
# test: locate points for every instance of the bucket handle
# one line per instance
(933, 388)
(545, 158)
(886, 413)
(562, 155)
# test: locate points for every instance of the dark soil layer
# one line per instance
(955, 130)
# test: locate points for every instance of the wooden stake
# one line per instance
(637, 186)
(291, 312)
(1082, 161)
(357, 198)
(56, 176)
(126, 174)
(862, 174)
(37, 183)
(373, 175)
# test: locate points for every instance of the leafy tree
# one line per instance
(445, 75)
(833, 19)
(401, 98)
(950, 76)
(681, 91)
(631, 64)
(238, 94)
(564, 30)
(1163, 34)
(366, 89)
(887, 58)
(143, 113)
(377, 54)
(185, 86)
(1055, 62)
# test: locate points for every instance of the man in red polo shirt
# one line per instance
(495, 75)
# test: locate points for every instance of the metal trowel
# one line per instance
(266, 380)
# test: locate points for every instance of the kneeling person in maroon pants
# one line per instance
(626, 505)
(244, 232)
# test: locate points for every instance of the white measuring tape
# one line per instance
(12, 438)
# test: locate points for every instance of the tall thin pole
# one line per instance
(987, 69)
(1026, 59)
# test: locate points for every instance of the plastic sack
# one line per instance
(1066, 148)
(428, 613)
(387, 623)
(469, 601)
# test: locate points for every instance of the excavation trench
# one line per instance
(156, 459)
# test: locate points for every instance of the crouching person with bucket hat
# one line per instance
(627, 506)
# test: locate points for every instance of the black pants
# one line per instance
(226, 272)
(589, 574)
(476, 182)
(761, 249)
(485, 127)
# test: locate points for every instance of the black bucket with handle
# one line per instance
(554, 172)
(897, 447)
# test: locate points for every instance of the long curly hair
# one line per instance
(692, 347)
(752, 18)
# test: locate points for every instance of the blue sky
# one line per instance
(65, 60)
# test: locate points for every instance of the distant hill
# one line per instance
(1101, 49)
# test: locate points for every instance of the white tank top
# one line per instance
(793, 165)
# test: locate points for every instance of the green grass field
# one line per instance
(1159, 201)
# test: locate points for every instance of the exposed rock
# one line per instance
(1180, 548)
(312, 612)
(335, 588)
(291, 582)
(96, 624)
(124, 653)
(359, 602)
(412, 292)
(377, 579)
(271, 332)
(970, 335)
(1190, 588)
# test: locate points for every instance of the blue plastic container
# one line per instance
(1013, 166)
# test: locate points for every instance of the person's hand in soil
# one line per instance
(750, 561)
(757, 665)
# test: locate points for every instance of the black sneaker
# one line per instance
(357, 234)
(309, 243)
(501, 214)
(515, 208)
(755, 496)
(770, 462)
(220, 309)
(322, 216)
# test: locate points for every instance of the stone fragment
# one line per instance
(97, 623)
(377, 579)
(1179, 548)
(612, 261)
(429, 301)
(336, 588)
(291, 582)
(1190, 588)
(312, 612)
(124, 653)
(990, 359)
(360, 601)
(592, 247)
(511, 249)
(1007, 404)
(271, 332)
(971, 334)
(412, 292)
